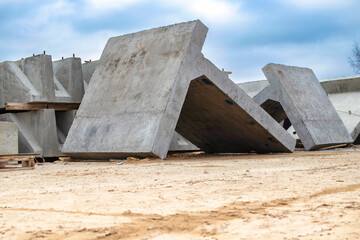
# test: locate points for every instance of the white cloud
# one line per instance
(319, 4)
(111, 4)
(214, 11)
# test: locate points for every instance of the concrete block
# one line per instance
(148, 83)
(68, 78)
(38, 70)
(343, 92)
(37, 132)
(8, 138)
(306, 105)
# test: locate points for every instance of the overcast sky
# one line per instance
(243, 35)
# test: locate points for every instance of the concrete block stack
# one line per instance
(36, 94)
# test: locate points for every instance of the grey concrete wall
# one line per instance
(136, 95)
(8, 138)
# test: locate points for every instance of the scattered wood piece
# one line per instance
(331, 147)
(32, 106)
(27, 162)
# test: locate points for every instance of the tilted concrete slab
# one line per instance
(178, 142)
(306, 105)
(343, 92)
(135, 100)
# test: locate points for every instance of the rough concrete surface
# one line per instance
(307, 195)
(343, 93)
(136, 94)
(178, 142)
(306, 105)
(8, 138)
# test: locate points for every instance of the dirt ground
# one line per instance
(305, 195)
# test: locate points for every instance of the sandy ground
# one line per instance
(285, 196)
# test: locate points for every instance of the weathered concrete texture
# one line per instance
(37, 131)
(27, 80)
(8, 138)
(37, 79)
(306, 105)
(68, 79)
(178, 142)
(343, 92)
(136, 95)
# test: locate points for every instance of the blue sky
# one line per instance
(243, 36)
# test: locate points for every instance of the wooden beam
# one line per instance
(32, 106)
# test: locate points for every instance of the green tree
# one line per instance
(355, 59)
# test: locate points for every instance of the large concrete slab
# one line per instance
(343, 92)
(8, 138)
(306, 105)
(178, 142)
(148, 83)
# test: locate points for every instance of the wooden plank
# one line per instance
(27, 162)
(331, 147)
(33, 106)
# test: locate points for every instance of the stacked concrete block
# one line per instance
(38, 79)
(296, 94)
(149, 83)
(8, 138)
